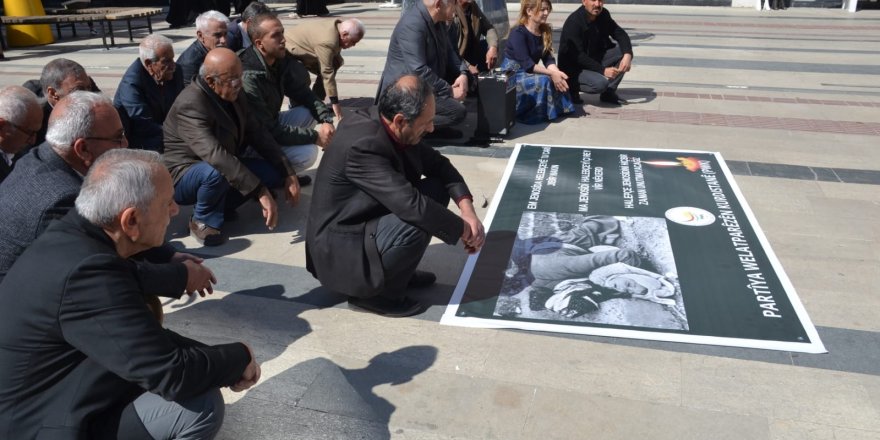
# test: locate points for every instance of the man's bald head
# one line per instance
(218, 62)
(222, 72)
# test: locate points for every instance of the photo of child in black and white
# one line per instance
(593, 269)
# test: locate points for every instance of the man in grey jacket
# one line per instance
(420, 45)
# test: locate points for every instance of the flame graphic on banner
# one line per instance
(689, 163)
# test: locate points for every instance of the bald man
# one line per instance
(20, 119)
(206, 133)
(318, 44)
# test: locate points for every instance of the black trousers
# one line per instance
(449, 112)
(402, 245)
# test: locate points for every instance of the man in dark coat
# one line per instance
(147, 91)
(373, 215)
(593, 63)
(420, 45)
(80, 354)
(211, 28)
(59, 78)
(237, 34)
(206, 133)
(467, 26)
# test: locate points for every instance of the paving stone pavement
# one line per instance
(790, 98)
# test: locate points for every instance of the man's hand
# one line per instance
(625, 63)
(473, 236)
(251, 374)
(270, 209)
(460, 87)
(611, 72)
(473, 69)
(325, 134)
(491, 57)
(337, 111)
(199, 278)
(292, 190)
(180, 257)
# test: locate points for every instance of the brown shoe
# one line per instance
(204, 234)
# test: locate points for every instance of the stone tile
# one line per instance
(849, 350)
(858, 176)
(601, 369)
(738, 167)
(845, 309)
(850, 191)
(799, 430)
(609, 418)
(777, 392)
(780, 170)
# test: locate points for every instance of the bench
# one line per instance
(90, 16)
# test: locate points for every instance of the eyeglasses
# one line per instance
(119, 141)
(29, 133)
(233, 82)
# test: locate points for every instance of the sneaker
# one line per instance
(204, 234)
(389, 307)
(421, 278)
(610, 97)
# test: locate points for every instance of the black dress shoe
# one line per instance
(421, 278)
(576, 99)
(304, 180)
(389, 307)
(610, 97)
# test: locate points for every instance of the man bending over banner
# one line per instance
(372, 213)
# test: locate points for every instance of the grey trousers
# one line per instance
(197, 418)
(594, 82)
(401, 245)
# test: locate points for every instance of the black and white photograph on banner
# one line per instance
(627, 242)
(593, 268)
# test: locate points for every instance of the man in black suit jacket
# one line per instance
(20, 120)
(81, 356)
(372, 215)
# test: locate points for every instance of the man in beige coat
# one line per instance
(318, 45)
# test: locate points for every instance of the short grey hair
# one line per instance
(407, 101)
(15, 104)
(150, 44)
(207, 16)
(119, 179)
(57, 70)
(254, 9)
(354, 27)
(76, 121)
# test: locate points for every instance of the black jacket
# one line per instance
(583, 44)
(77, 342)
(361, 178)
(191, 60)
(146, 105)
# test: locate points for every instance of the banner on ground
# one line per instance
(635, 243)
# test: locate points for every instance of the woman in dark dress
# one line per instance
(541, 89)
(310, 7)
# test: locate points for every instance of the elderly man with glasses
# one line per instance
(20, 120)
(147, 91)
(45, 182)
(206, 134)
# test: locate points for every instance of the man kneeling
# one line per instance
(81, 356)
(373, 215)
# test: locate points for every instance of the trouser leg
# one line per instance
(197, 418)
(402, 245)
(267, 174)
(595, 82)
(449, 112)
(302, 157)
(205, 188)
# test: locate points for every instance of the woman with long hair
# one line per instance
(541, 89)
